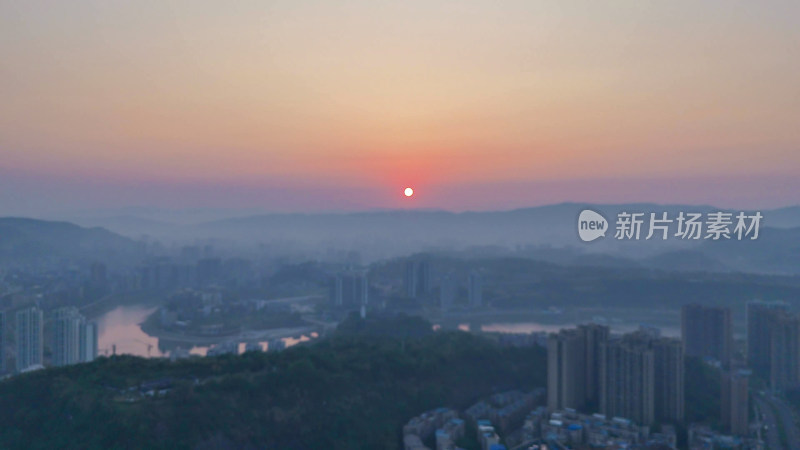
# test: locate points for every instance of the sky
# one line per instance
(312, 105)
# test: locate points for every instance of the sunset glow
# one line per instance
(314, 101)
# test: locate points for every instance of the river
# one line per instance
(120, 332)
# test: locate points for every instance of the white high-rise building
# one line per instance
(74, 339)
(87, 341)
(29, 338)
(66, 336)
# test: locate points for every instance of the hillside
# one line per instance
(347, 392)
(551, 228)
(25, 241)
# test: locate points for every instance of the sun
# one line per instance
(408, 192)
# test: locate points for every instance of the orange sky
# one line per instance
(377, 94)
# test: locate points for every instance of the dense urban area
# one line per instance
(482, 348)
(399, 225)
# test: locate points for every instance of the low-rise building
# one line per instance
(487, 435)
(505, 410)
(427, 423)
(449, 434)
(413, 442)
(570, 428)
(702, 437)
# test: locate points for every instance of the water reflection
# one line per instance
(536, 327)
(522, 328)
(290, 341)
(120, 332)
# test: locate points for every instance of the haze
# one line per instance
(291, 106)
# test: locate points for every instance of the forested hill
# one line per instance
(354, 390)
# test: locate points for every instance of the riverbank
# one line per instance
(153, 329)
(525, 320)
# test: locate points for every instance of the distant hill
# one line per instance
(548, 224)
(552, 224)
(130, 226)
(554, 227)
(30, 240)
(788, 217)
(686, 261)
(775, 251)
(380, 234)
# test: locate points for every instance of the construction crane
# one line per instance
(114, 348)
(149, 346)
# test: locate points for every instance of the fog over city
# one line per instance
(399, 225)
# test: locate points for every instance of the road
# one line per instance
(772, 437)
(770, 405)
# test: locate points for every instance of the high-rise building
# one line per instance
(669, 380)
(707, 332)
(475, 289)
(639, 376)
(785, 352)
(447, 292)
(208, 270)
(643, 379)
(424, 277)
(594, 337)
(628, 380)
(417, 278)
(566, 367)
(66, 327)
(29, 337)
(87, 341)
(349, 290)
(410, 279)
(760, 317)
(74, 339)
(734, 404)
